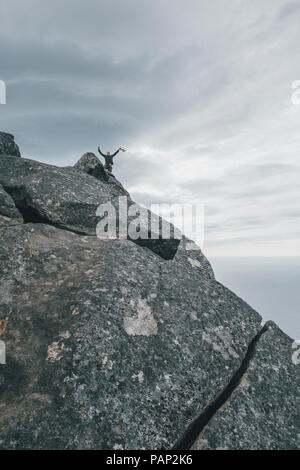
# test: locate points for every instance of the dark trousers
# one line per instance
(108, 167)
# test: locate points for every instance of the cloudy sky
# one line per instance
(198, 92)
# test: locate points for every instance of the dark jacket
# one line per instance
(109, 158)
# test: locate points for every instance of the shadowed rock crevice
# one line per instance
(9, 214)
(196, 427)
(165, 248)
(30, 214)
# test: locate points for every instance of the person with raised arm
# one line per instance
(109, 158)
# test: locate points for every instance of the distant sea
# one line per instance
(269, 285)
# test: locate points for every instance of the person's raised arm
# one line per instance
(101, 152)
(114, 154)
(118, 151)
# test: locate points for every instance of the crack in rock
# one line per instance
(197, 426)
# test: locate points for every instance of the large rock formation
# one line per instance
(69, 197)
(119, 345)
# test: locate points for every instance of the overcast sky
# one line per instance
(198, 92)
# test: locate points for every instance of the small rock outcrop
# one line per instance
(8, 145)
(91, 165)
(125, 344)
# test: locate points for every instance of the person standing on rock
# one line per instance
(109, 158)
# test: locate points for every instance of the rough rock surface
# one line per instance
(63, 196)
(109, 344)
(91, 165)
(263, 411)
(67, 198)
(8, 145)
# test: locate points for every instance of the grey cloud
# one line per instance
(288, 10)
(206, 185)
(263, 171)
(149, 199)
(257, 191)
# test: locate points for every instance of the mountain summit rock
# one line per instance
(123, 344)
(8, 145)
